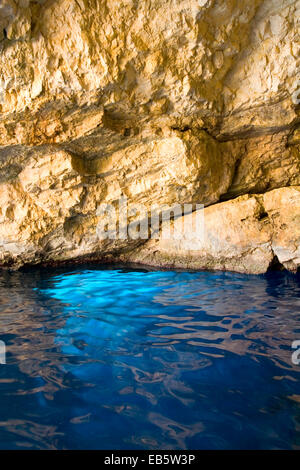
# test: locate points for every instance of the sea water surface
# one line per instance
(127, 358)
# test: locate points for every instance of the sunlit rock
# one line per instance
(159, 102)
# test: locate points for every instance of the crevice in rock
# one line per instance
(275, 265)
(127, 132)
(32, 27)
(263, 215)
(182, 129)
(230, 195)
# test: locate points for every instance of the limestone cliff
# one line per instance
(161, 101)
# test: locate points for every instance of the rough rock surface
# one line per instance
(164, 102)
(244, 234)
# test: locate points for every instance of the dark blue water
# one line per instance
(129, 359)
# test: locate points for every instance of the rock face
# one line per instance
(244, 234)
(161, 102)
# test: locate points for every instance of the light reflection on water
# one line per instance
(125, 358)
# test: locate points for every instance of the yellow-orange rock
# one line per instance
(186, 101)
(246, 234)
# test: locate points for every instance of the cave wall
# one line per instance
(164, 102)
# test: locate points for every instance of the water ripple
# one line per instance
(124, 358)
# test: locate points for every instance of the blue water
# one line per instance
(115, 358)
